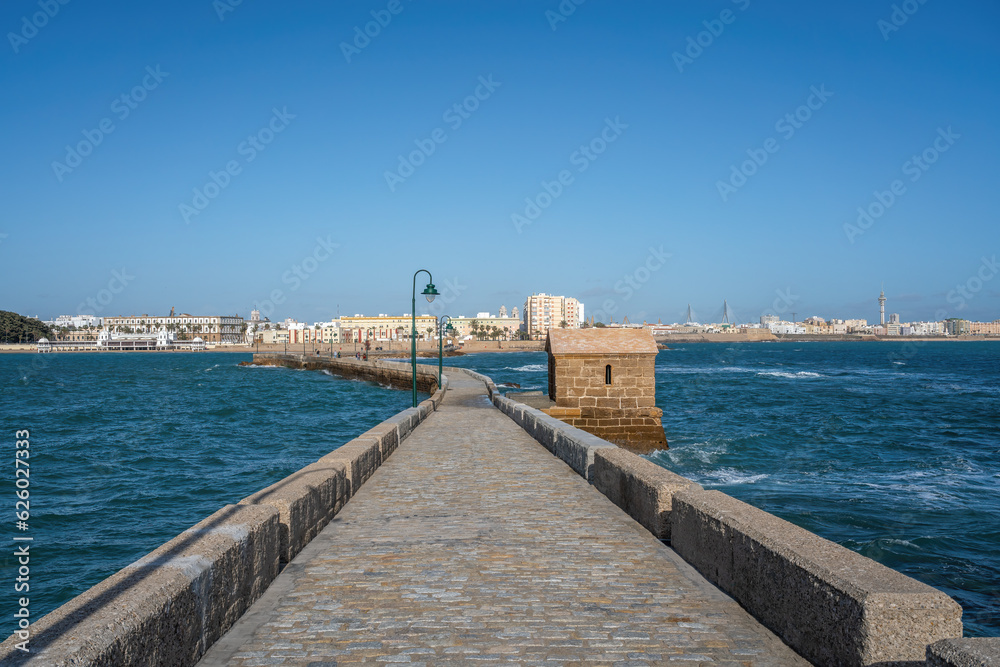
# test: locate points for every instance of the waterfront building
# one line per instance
(856, 326)
(210, 328)
(985, 328)
(113, 341)
(956, 326)
(767, 320)
(881, 307)
(927, 328)
(385, 327)
(75, 322)
(274, 336)
(544, 311)
(256, 326)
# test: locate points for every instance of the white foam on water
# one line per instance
(530, 368)
(731, 476)
(791, 376)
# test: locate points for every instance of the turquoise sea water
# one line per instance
(889, 450)
(892, 452)
(128, 450)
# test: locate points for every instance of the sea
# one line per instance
(889, 449)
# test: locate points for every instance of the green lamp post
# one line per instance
(441, 332)
(430, 292)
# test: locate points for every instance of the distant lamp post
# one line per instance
(430, 292)
(441, 332)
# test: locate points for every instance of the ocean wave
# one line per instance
(791, 376)
(732, 477)
(529, 368)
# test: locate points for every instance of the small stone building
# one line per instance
(604, 382)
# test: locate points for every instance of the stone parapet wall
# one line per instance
(830, 604)
(641, 488)
(168, 607)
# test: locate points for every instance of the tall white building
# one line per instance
(544, 311)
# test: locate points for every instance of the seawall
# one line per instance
(390, 373)
(831, 605)
(171, 605)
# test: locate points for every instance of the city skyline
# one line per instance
(781, 309)
(638, 157)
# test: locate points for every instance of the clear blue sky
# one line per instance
(656, 185)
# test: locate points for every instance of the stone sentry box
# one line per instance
(603, 381)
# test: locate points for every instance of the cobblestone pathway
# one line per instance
(472, 544)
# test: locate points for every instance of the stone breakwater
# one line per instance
(390, 373)
(831, 605)
(168, 607)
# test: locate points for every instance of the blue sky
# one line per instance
(646, 220)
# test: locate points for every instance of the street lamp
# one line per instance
(441, 332)
(430, 292)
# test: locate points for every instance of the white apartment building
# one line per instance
(210, 328)
(77, 321)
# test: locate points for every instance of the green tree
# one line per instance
(16, 328)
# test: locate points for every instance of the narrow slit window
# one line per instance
(607, 374)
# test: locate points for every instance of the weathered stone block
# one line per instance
(361, 458)
(387, 435)
(641, 488)
(168, 607)
(968, 652)
(830, 604)
(306, 500)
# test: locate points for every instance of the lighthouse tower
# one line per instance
(881, 306)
